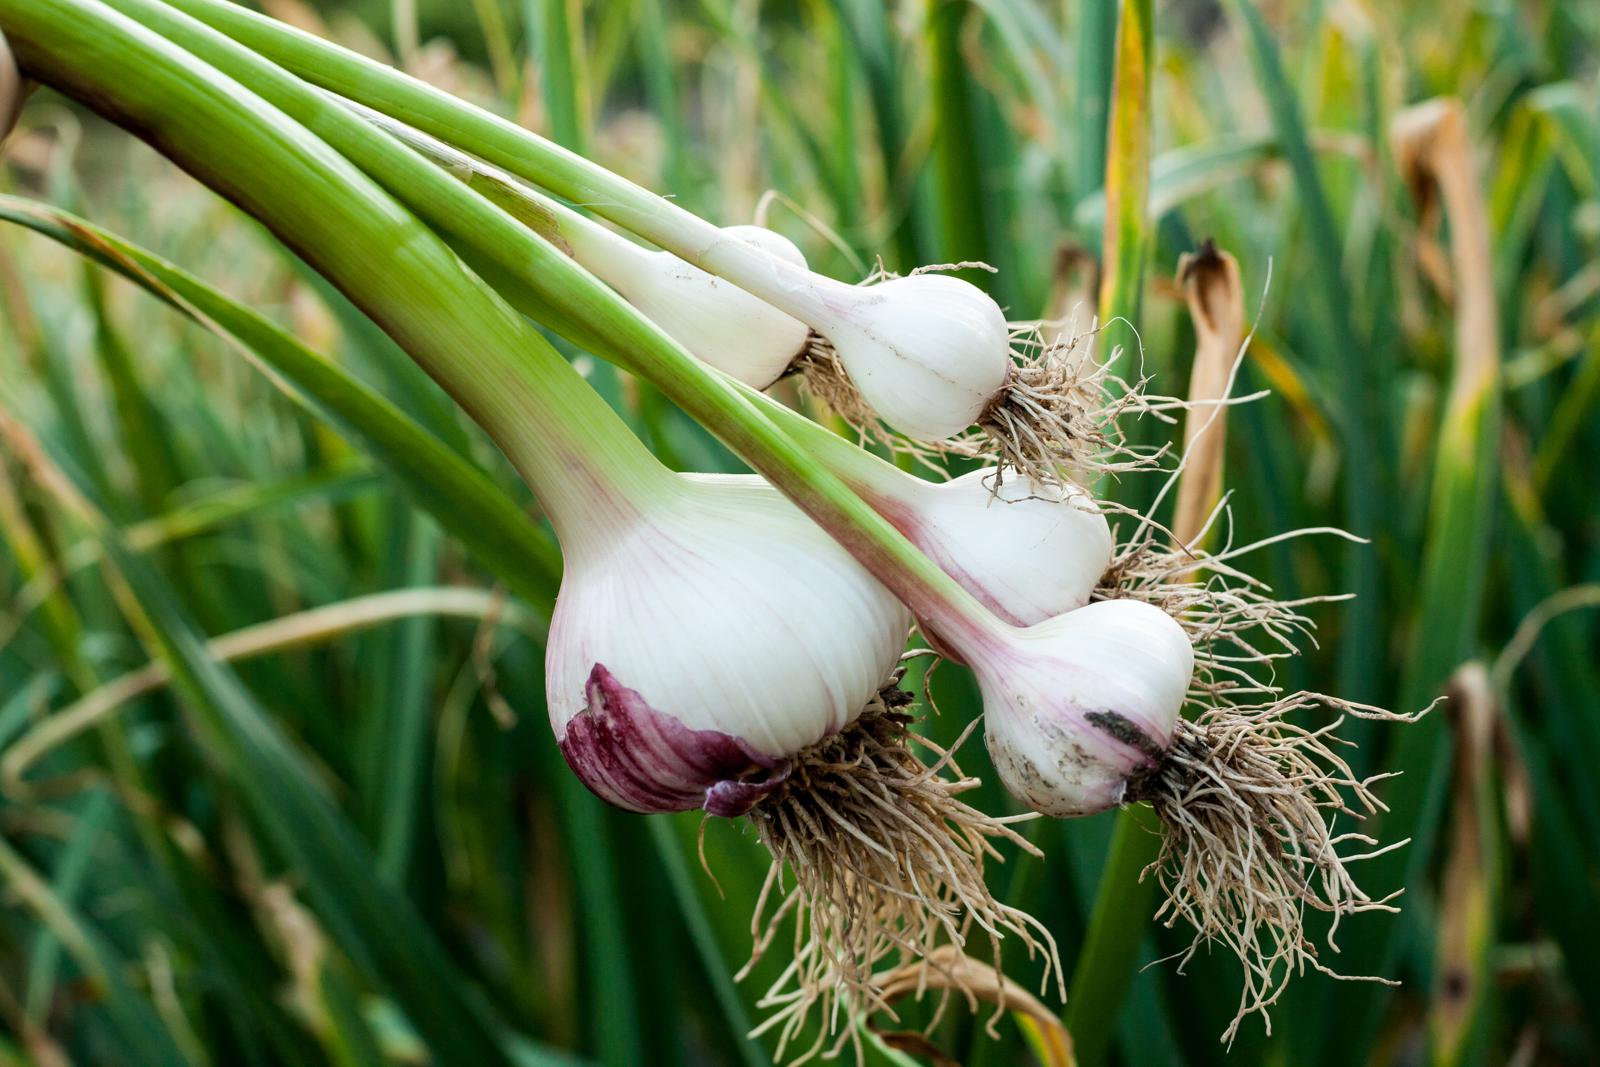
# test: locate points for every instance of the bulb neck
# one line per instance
(587, 468)
(602, 251)
(795, 290)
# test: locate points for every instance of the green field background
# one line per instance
(297, 858)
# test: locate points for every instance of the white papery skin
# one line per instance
(718, 322)
(928, 352)
(1079, 705)
(1027, 551)
(727, 609)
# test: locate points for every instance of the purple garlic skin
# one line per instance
(633, 756)
(1079, 708)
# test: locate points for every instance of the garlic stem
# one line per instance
(13, 89)
(963, 371)
(589, 241)
(715, 320)
(578, 456)
(577, 303)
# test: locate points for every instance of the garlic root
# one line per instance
(1247, 802)
(887, 865)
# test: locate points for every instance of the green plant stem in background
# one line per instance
(1463, 494)
(1346, 357)
(1123, 903)
(869, 24)
(1096, 46)
(558, 40)
(1127, 178)
(1117, 926)
(148, 1041)
(958, 184)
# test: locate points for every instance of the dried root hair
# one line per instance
(885, 865)
(1237, 626)
(823, 377)
(1060, 415)
(1248, 801)
(1248, 798)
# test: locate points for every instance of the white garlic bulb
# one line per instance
(928, 352)
(697, 646)
(1028, 551)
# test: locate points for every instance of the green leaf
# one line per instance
(1345, 355)
(372, 923)
(458, 495)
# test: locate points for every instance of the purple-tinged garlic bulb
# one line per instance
(717, 650)
(700, 645)
(1081, 709)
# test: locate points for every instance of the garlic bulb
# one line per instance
(927, 352)
(708, 640)
(1080, 708)
(715, 320)
(1028, 551)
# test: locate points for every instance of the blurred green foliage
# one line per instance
(199, 878)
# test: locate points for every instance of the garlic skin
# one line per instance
(718, 322)
(928, 352)
(1028, 551)
(1079, 708)
(739, 628)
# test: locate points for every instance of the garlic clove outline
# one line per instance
(1080, 708)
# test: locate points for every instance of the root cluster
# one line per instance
(1059, 415)
(1248, 800)
(1236, 624)
(823, 376)
(884, 864)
